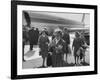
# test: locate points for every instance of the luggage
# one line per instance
(49, 60)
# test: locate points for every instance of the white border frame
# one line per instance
(21, 71)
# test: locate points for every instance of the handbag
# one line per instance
(49, 60)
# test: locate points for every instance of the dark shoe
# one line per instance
(43, 66)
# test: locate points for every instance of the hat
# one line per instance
(44, 32)
(56, 30)
(59, 33)
(77, 34)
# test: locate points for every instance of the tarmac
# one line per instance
(33, 60)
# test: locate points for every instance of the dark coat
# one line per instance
(43, 45)
(33, 36)
(25, 35)
(57, 54)
(37, 36)
(66, 38)
(77, 43)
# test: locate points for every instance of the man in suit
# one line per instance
(31, 37)
(37, 35)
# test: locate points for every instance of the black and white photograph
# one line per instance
(54, 39)
(51, 39)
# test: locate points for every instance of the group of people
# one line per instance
(52, 52)
(79, 47)
(30, 35)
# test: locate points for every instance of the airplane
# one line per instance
(83, 29)
(40, 20)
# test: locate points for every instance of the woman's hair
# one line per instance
(65, 29)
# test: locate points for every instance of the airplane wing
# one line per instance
(37, 17)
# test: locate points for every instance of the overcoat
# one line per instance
(57, 49)
(43, 45)
(66, 38)
(32, 36)
(77, 43)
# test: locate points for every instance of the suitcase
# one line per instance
(49, 60)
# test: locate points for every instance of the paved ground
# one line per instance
(33, 60)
